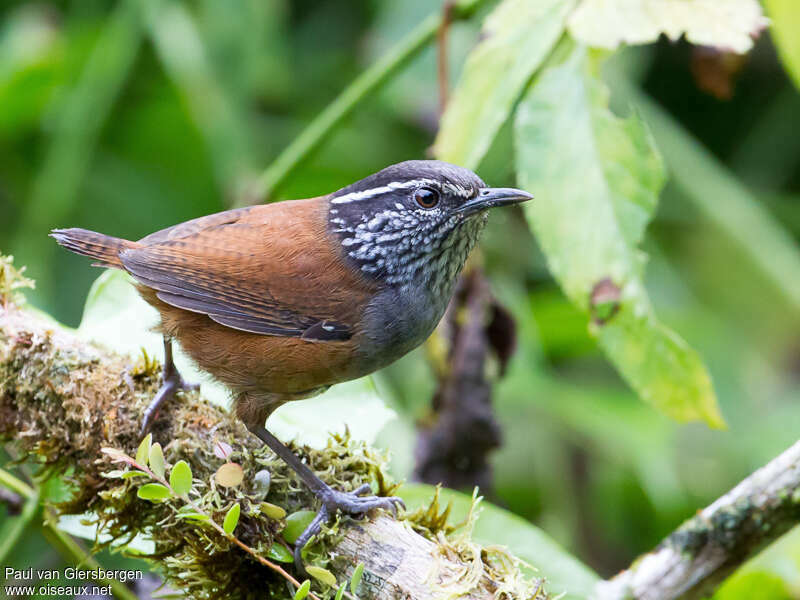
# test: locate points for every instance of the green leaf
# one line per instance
(296, 524)
(785, 27)
(340, 592)
(157, 460)
(355, 580)
(153, 491)
(229, 475)
(729, 25)
(180, 478)
(517, 36)
(272, 511)
(303, 590)
(596, 179)
(231, 518)
(495, 526)
(279, 553)
(322, 575)
(194, 516)
(754, 586)
(132, 474)
(143, 453)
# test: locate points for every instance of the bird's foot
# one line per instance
(354, 504)
(171, 384)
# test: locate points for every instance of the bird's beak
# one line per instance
(492, 197)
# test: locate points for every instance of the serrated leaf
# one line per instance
(180, 478)
(322, 575)
(355, 580)
(272, 511)
(596, 179)
(727, 24)
(516, 38)
(279, 553)
(296, 524)
(143, 452)
(156, 457)
(231, 518)
(303, 590)
(153, 491)
(229, 475)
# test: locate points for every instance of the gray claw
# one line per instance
(349, 503)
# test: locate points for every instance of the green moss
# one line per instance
(12, 280)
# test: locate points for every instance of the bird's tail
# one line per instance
(103, 248)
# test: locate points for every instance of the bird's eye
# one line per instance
(426, 197)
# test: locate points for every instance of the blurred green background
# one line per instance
(115, 121)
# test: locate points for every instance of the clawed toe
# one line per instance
(169, 387)
(352, 503)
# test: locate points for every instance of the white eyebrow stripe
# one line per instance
(389, 187)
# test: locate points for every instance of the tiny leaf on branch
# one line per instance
(154, 492)
(156, 457)
(231, 519)
(279, 553)
(143, 453)
(229, 475)
(180, 478)
(322, 575)
(296, 524)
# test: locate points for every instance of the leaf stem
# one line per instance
(16, 526)
(15, 484)
(363, 85)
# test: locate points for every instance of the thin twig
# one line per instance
(442, 74)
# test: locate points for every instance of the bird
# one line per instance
(280, 301)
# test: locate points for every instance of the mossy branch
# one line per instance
(694, 559)
(62, 400)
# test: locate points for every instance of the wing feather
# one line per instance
(220, 266)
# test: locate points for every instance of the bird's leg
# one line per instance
(350, 503)
(171, 383)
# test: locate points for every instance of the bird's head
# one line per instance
(414, 222)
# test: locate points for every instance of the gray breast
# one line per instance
(397, 320)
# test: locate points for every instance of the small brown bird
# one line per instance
(281, 301)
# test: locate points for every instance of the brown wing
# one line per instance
(265, 269)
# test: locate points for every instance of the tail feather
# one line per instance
(103, 248)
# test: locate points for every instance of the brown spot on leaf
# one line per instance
(604, 300)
